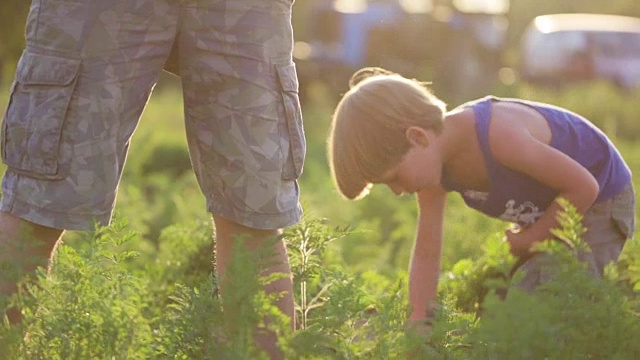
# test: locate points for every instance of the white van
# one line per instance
(561, 48)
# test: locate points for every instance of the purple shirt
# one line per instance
(516, 197)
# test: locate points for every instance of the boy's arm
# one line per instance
(516, 148)
(425, 263)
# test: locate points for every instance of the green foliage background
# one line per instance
(142, 288)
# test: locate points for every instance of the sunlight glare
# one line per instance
(544, 24)
(350, 6)
(482, 6)
(416, 6)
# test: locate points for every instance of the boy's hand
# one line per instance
(519, 242)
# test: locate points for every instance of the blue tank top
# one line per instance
(518, 198)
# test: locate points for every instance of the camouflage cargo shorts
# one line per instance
(87, 72)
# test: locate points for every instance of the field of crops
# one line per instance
(143, 287)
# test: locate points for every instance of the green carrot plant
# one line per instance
(102, 300)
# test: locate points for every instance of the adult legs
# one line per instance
(244, 127)
(24, 246)
(80, 87)
(226, 233)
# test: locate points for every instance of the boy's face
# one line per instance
(420, 167)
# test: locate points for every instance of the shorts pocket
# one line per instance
(32, 129)
(293, 130)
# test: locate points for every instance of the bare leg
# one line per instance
(226, 231)
(28, 246)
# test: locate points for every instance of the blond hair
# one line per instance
(367, 136)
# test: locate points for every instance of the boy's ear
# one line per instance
(418, 136)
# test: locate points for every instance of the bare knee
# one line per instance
(24, 246)
(19, 237)
(227, 231)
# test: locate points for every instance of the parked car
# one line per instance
(457, 44)
(564, 48)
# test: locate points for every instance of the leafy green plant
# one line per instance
(306, 243)
(89, 305)
(572, 315)
(469, 281)
(191, 326)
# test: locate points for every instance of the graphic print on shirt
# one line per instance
(525, 214)
(476, 195)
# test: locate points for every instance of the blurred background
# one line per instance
(468, 47)
(465, 48)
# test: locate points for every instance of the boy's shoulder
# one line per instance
(475, 102)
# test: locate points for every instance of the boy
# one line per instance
(508, 158)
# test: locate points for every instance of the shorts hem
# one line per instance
(256, 220)
(52, 219)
